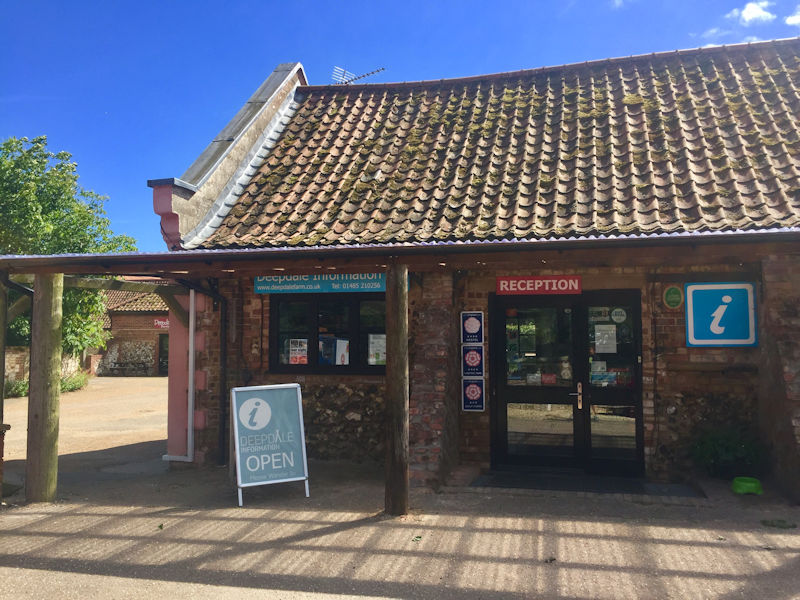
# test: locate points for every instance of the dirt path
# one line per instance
(114, 420)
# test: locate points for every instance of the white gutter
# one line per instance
(190, 394)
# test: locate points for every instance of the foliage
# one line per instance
(75, 382)
(728, 451)
(45, 211)
(17, 388)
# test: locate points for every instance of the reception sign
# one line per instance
(535, 286)
(269, 437)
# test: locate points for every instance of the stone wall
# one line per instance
(133, 349)
(18, 363)
(343, 414)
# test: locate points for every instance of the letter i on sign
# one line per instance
(718, 314)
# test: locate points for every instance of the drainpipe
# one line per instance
(223, 362)
(190, 394)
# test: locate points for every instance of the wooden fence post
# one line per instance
(41, 466)
(396, 500)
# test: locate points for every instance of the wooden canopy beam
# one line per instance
(166, 292)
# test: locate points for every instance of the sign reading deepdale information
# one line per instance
(269, 437)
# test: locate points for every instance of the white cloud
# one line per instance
(751, 38)
(753, 13)
(793, 19)
(715, 33)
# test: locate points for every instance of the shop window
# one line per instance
(330, 333)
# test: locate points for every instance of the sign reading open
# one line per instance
(269, 437)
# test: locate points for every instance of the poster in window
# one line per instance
(376, 348)
(342, 352)
(605, 339)
(298, 351)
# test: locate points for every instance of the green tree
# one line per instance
(45, 211)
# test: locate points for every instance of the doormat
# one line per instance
(577, 482)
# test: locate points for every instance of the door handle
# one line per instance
(579, 394)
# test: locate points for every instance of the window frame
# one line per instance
(353, 301)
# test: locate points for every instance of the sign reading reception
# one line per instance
(320, 283)
(269, 438)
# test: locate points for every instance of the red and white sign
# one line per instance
(530, 286)
(161, 323)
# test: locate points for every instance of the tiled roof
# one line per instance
(124, 301)
(685, 142)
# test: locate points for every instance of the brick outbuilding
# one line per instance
(602, 265)
(603, 259)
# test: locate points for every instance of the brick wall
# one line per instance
(683, 389)
(17, 362)
(433, 372)
(779, 390)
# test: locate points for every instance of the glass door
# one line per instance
(613, 395)
(536, 375)
(565, 374)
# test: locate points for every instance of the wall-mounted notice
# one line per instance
(472, 327)
(605, 339)
(472, 361)
(721, 314)
(269, 438)
(472, 395)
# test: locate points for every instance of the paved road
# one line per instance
(124, 532)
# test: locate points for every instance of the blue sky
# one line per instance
(136, 90)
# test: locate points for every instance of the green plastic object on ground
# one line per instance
(747, 485)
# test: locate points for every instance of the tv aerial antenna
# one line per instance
(341, 76)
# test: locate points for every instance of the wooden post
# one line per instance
(396, 501)
(41, 466)
(3, 328)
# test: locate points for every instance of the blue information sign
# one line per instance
(720, 314)
(269, 438)
(320, 283)
(472, 395)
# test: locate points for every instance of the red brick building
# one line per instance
(622, 236)
(139, 327)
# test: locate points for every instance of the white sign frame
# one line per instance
(235, 421)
